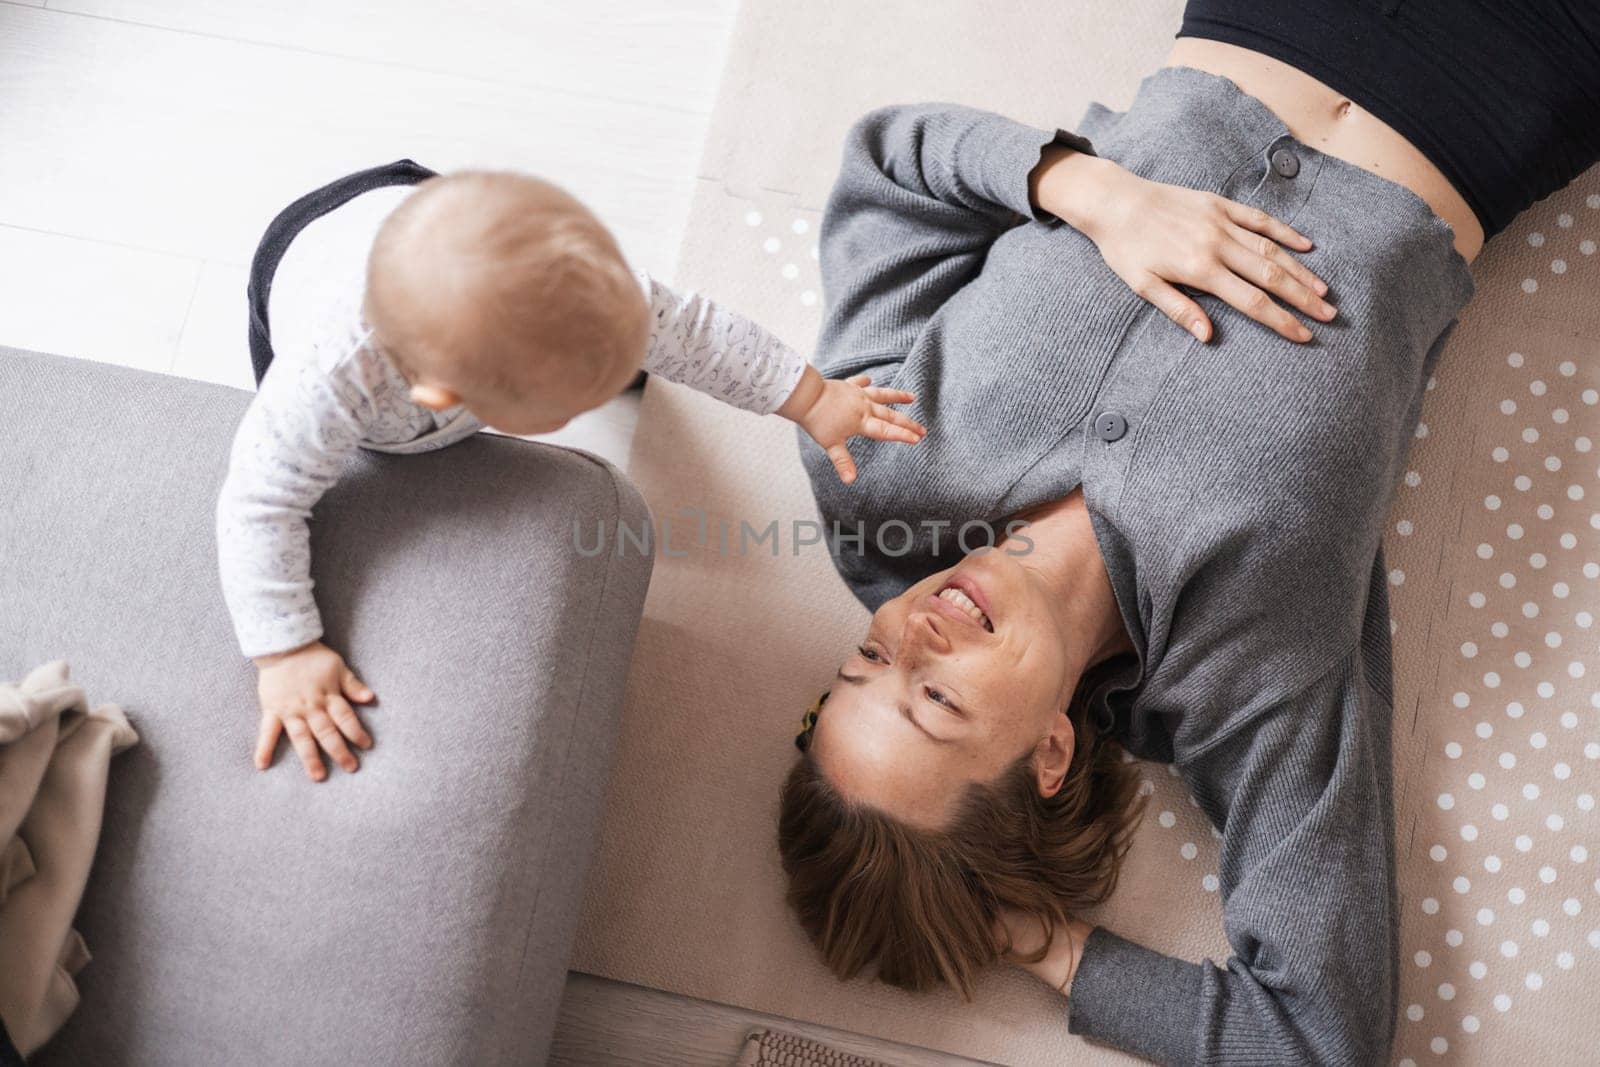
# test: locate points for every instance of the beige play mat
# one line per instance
(1494, 546)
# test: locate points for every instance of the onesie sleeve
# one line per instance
(294, 438)
(697, 342)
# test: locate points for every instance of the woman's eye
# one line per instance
(938, 698)
(870, 655)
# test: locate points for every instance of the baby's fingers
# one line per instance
(267, 739)
(305, 746)
(354, 688)
(332, 742)
(348, 722)
(842, 463)
(883, 395)
(886, 424)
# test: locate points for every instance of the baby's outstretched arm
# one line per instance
(288, 450)
(696, 342)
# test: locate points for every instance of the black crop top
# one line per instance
(1503, 96)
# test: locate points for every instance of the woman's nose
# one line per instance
(925, 630)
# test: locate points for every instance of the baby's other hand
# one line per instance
(306, 693)
(834, 411)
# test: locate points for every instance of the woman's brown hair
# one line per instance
(922, 905)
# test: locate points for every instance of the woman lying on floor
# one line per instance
(1088, 325)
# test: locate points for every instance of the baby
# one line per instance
(407, 312)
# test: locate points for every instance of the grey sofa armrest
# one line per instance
(418, 911)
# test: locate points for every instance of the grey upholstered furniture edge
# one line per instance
(418, 911)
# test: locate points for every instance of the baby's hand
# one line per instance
(305, 694)
(833, 411)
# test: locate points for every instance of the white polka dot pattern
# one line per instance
(1496, 529)
(790, 243)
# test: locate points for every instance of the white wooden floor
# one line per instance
(145, 144)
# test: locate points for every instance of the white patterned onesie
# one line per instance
(328, 392)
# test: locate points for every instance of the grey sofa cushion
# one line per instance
(418, 911)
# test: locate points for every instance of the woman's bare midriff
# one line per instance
(1330, 122)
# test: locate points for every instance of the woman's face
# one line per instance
(956, 678)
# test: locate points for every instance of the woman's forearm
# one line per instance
(1078, 933)
(1071, 185)
(1060, 963)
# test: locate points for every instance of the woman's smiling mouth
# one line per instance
(959, 595)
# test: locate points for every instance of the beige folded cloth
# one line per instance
(54, 754)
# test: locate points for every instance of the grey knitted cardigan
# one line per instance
(1239, 512)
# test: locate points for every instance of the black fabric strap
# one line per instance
(289, 222)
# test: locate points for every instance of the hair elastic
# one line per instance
(808, 722)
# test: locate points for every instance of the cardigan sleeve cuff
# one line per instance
(1005, 152)
(1134, 998)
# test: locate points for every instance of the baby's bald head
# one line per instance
(503, 292)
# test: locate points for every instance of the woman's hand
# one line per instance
(1025, 935)
(1157, 237)
(833, 411)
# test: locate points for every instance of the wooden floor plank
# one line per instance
(137, 144)
(665, 52)
(214, 345)
(92, 300)
(189, 145)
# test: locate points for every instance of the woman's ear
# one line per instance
(434, 398)
(1053, 755)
